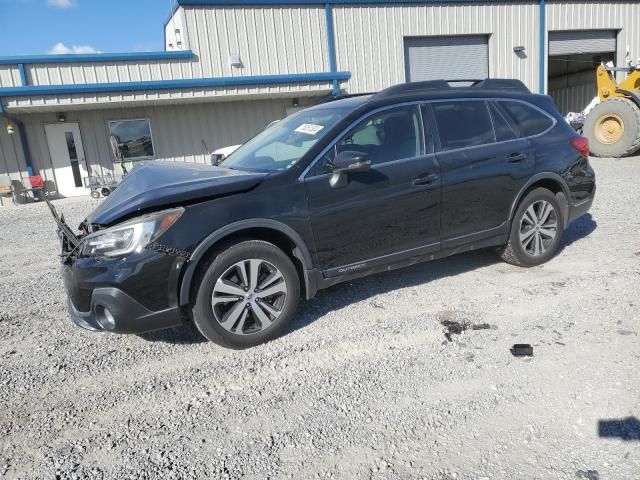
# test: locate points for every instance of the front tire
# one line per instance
(247, 296)
(613, 128)
(536, 230)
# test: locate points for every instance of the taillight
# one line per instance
(581, 144)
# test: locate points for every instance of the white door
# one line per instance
(67, 157)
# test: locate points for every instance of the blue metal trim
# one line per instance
(24, 81)
(543, 51)
(96, 57)
(173, 84)
(26, 151)
(248, 3)
(331, 45)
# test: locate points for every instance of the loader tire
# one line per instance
(613, 128)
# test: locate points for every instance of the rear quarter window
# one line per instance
(463, 124)
(525, 119)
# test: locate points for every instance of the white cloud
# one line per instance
(61, 48)
(60, 3)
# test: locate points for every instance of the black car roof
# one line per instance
(432, 90)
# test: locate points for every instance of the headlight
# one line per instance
(130, 236)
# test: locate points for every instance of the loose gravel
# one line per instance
(364, 386)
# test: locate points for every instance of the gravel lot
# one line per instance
(364, 386)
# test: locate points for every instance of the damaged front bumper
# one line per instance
(130, 294)
(113, 310)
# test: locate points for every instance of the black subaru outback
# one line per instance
(340, 190)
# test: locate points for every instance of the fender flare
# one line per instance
(304, 255)
(536, 178)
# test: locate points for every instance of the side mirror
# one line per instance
(348, 162)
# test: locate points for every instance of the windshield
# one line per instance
(283, 144)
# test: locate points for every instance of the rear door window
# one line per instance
(525, 119)
(503, 130)
(463, 124)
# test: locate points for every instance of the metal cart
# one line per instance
(102, 184)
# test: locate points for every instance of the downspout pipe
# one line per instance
(22, 133)
(331, 46)
(543, 51)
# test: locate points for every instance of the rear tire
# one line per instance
(613, 128)
(536, 230)
(247, 295)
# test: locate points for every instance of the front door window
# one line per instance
(73, 158)
(393, 134)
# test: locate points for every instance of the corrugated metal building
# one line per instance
(230, 67)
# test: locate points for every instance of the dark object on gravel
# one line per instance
(588, 474)
(480, 326)
(453, 328)
(625, 428)
(456, 328)
(522, 350)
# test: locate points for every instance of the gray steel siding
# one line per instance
(573, 92)
(582, 41)
(370, 38)
(177, 130)
(9, 76)
(176, 22)
(270, 40)
(450, 58)
(107, 100)
(109, 72)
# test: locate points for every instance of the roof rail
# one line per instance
(411, 87)
(502, 84)
(341, 96)
(431, 85)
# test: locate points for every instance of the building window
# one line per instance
(131, 139)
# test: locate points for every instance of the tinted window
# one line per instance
(463, 124)
(132, 139)
(500, 125)
(525, 119)
(390, 135)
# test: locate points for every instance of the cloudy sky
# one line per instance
(81, 26)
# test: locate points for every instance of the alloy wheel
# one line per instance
(538, 227)
(249, 296)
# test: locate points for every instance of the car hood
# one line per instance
(152, 185)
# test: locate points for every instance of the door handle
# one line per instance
(516, 157)
(425, 181)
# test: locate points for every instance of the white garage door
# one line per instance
(448, 58)
(582, 41)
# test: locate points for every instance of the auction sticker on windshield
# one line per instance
(309, 128)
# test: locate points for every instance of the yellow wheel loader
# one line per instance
(613, 126)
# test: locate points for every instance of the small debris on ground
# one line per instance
(588, 474)
(522, 350)
(481, 326)
(456, 328)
